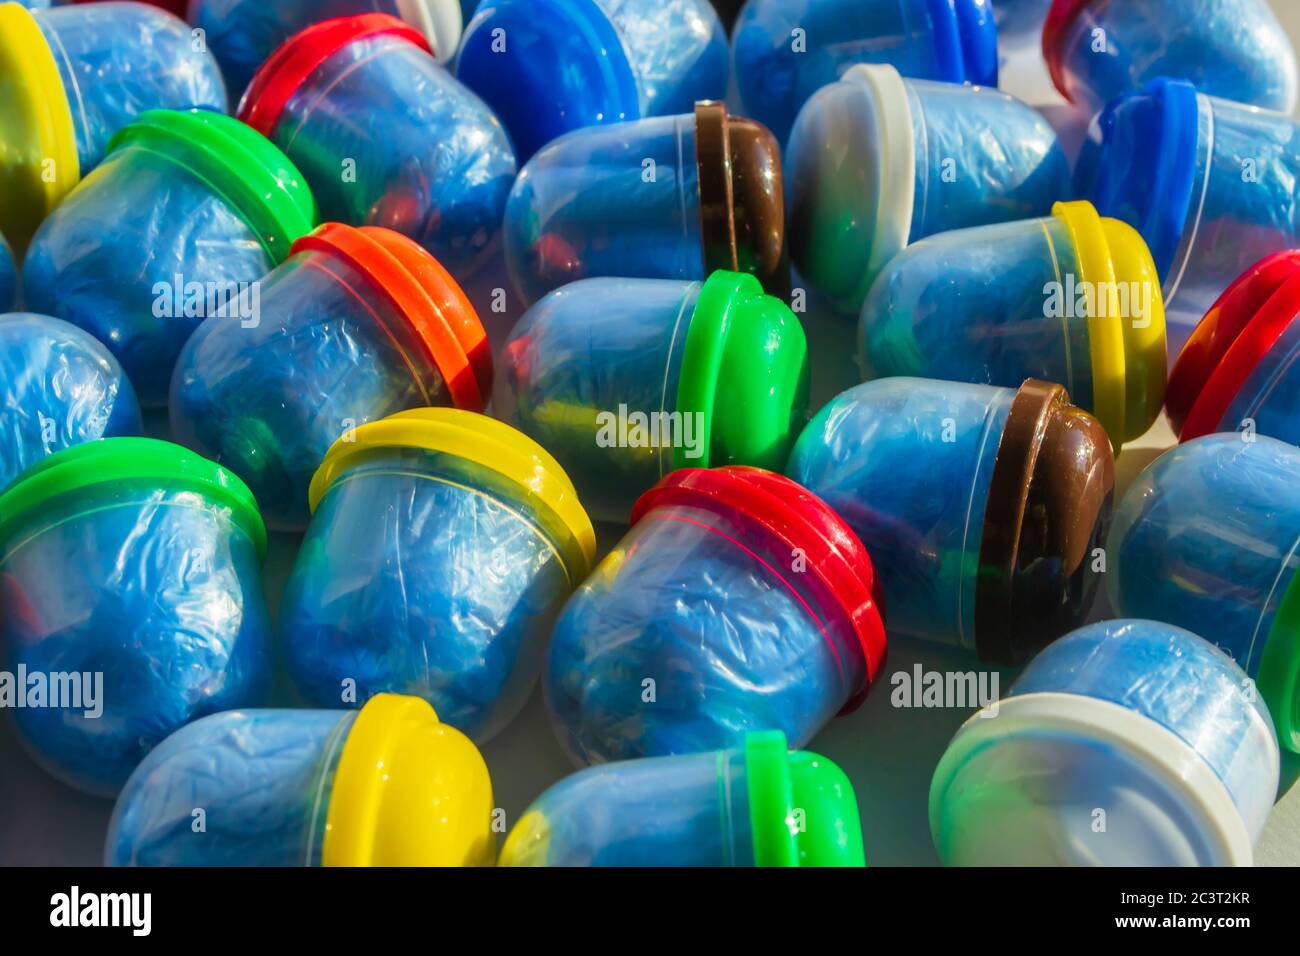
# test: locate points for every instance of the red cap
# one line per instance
(1229, 343)
(285, 70)
(417, 285)
(1060, 18)
(799, 521)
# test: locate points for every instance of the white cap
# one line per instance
(439, 20)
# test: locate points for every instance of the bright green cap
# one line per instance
(802, 808)
(1278, 678)
(745, 369)
(241, 165)
(128, 461)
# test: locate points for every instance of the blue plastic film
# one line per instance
(585, 367)
(118, 60)
(687, 636)
(258, 782)
(58, 388)
(150, 596)
(423, 574)
(327, 354)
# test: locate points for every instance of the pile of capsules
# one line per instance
(283, 275)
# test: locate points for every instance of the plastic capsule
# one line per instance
(551, 66)
(624, 380)
(309, 788)
(672, 197)
(355, 325)
(131, 571)
(180, 222)
(75, 76)
(981, 507)
(1235, 49)
(786, 51)
(1208, 537)
(877, 162)
(738, 601)
(58, 388)
(1210, 184)
(386, 136)
(442, 546)
(243, 33)
(1071, 298)
(728, 808)
(1144, 722)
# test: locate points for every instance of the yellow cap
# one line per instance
(38, 142)
(409, 791)
(484, 441)
(1129, 365)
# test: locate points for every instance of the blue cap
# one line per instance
(563, 67)
(1140, 163)
(966, 41)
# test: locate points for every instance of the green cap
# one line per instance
(128, 461)
(241, 165)
(802, 808)
(745, 369)
(1278, 679)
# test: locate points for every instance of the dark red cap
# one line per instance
(1059, 20)
(799, 521)
(1228, 344)
(285, 70)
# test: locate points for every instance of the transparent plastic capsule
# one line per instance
(1071, 298)
(441, 548)
(1235, 49)
(999, 553)
(132, 585)
(727, 808)
(671, 197)
(624, 380)
(309, 788)
(877, 162)
(1208, 537)
(355, 325)
(386, 136)
(1126, 743)
(552, 66)
(737, 602)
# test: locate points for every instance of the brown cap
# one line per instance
(1049, 506)
(742, 197)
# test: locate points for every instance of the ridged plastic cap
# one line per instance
(242, 166)
(1049, 505)
(1230, 341)
(409, 790)
(742, 197)
(1129, 353)
(425, 294)
(802, 808)
(295, 60)
(798, 521)
(128, 462)
(38, 141)
(745, 370)
(485, 442)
